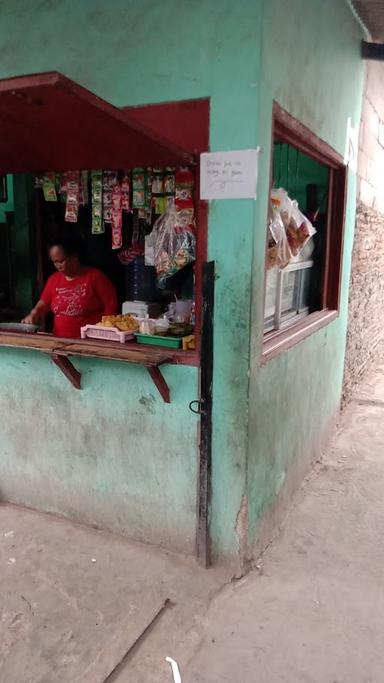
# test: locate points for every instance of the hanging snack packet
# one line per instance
(138, 188)
(159, 203)
(185, 210)
(157, 181)
(169, 181)
(49, 187)
(83, 191)
(298, 227)
(39, 180)
(148, 189)
(72, 198)
(117, 229)
(184, 183)
(97, 206)
(116, 197)
(126, 191)
(108, 181)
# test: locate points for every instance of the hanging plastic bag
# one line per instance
(278, 254)
(150, 248)
(298, 227)
(174, 245)
(299, 230)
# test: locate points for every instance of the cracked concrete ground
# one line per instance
(74, 600)
(311, 612)
(314, 610)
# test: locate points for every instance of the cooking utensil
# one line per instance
(25, 328)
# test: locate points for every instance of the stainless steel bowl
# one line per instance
(18, 327)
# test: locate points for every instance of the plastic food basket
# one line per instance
(105, 333)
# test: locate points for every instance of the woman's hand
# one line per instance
(32, 318)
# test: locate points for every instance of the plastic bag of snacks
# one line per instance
(174, 245)
(297, 226)
(279, 253)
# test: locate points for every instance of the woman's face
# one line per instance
(68, 265)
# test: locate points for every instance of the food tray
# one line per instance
(105, 333)
(158, 340)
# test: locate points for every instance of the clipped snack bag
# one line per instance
(299, 230)
(278, 253)
(298, 227)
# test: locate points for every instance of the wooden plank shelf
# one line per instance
(60, 351)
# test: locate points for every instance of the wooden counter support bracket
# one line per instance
(68, 369)
(160, 382)
(62, 361)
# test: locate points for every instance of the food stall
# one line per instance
(125, 182)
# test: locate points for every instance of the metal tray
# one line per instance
(18, 327)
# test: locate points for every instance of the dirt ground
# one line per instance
(74, 600)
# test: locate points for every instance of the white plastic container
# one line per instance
(161, 326)
(137, 308)
(183, 310)
(105, 333)
(147, 326)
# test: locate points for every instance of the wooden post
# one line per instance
(205, 446)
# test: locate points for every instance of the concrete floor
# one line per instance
(314, 610)
(74, 600)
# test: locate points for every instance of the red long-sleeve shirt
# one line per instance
(81, 301)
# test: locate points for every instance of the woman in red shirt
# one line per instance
(77, 295)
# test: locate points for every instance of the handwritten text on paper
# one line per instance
(229, 175)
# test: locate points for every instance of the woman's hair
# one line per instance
(72, 245)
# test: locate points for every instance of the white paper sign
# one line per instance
(351, 146)
(229, 175)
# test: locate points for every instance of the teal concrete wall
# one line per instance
(114, 454)
(311, 65)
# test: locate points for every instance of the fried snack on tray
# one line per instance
(124, 323)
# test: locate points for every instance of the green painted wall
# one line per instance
(311, 65)
(114, 454)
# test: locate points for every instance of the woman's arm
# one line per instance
(35, 315)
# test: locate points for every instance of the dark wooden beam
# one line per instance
(374, 51)
(67, 369)
(160, 382)
(205, 445)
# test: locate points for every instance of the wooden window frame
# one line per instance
(289, 130)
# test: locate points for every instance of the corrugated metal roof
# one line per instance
(371, 12)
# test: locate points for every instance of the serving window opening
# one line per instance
(137, 226)
(122, 182)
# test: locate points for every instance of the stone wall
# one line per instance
(365, 337)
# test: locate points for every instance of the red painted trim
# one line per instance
(50, 122)
(184, 123)
(290, 130)
(277, 342)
